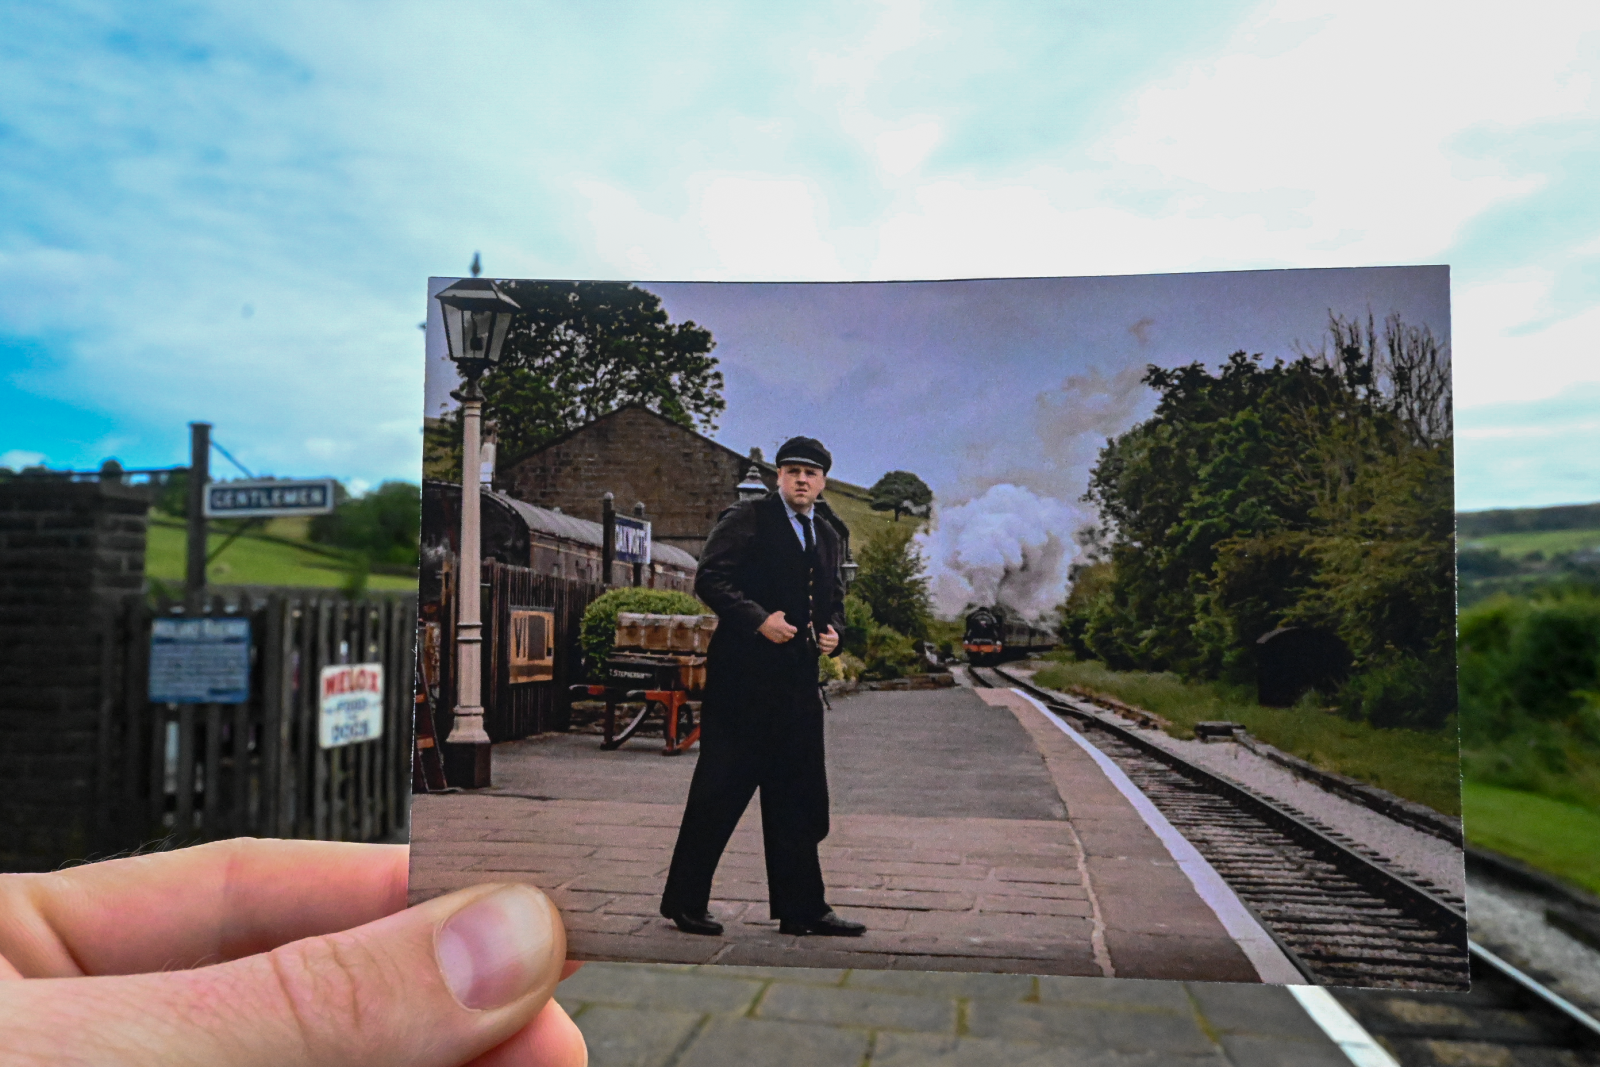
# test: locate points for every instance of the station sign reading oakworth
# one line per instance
(269, 498)
(633, 540)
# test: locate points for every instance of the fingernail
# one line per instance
(494, 950)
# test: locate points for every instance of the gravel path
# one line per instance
(1429, 857)
(1510, 923)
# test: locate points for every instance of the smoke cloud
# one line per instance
(1006, 535)
(1009, 546)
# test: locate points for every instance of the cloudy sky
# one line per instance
(229, 212)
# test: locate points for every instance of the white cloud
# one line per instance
(902, 151)
(17, 458)
(320, 184)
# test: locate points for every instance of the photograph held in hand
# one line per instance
(1080, 626)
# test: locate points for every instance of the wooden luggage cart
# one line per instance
(659, 661)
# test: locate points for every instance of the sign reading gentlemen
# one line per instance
(268, 498)
(772, 574)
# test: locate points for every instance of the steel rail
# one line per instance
(1418, 901)
(1585, 1028)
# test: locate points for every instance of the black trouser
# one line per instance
(774, 746)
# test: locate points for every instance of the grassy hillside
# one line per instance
(1548, 542)
(256, 560)
(853, 504)
(1559, 838)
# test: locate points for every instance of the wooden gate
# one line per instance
(198, 772)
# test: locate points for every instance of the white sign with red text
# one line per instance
(352, 704)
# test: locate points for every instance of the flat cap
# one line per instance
(804, 450)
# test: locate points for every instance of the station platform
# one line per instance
(970, 832)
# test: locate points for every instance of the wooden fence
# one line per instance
(513, 710)
(197, 772)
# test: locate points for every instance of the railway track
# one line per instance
(1341, 916)
(1346, 918)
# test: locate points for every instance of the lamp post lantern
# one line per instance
(477, 318)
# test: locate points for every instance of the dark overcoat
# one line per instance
(752, 565)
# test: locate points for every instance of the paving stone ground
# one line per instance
(967, 834)
(643, 1015)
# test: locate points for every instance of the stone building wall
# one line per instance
(685, 480)
(70, 552)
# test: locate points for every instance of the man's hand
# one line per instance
(277, 952)
(828, 641)
(776, 629)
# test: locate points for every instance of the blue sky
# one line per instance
(229, 212)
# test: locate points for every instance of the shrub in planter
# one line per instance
(599, 627)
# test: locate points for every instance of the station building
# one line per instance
(683, 478)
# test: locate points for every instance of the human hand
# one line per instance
(776, 629)
(253, 952)
(827, 641)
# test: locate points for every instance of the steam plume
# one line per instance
(1009, 547)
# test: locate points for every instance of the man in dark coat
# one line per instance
(771, 571)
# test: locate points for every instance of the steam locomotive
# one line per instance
(993, 635)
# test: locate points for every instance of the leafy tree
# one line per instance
(1312, 492)
(382, 525)
(579, 350)
(901, 492)
(893, 581)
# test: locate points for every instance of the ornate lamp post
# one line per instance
(477, 317)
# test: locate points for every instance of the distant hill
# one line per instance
(1474, 524)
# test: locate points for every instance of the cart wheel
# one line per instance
(685, 721)
(633, 726)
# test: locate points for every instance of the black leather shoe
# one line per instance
(690, 923)
(825, 925)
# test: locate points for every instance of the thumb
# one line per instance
(433, 986)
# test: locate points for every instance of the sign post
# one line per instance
(194, 571)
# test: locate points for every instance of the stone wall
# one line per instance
(685, 480)
(70, 553)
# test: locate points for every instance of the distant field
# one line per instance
(1418, 766)
(249, 561)
(1558, 838)
(1550, 542)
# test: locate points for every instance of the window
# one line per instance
(533, 647)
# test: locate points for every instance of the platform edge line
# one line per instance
(1271, 965)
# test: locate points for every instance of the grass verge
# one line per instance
(249, 561)
(1558, 838)
(1420, 766)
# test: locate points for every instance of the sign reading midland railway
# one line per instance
(269, 498)
(200, 661)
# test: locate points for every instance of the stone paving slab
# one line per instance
(968, 835)
(642, 1015)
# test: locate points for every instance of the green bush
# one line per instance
(882, 651)
(889, 654)
(383, 524)
(1530, 694)
(599, 629)
(893, 580)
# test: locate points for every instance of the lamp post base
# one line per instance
(466, 766)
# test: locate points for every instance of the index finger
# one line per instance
(193, 906)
